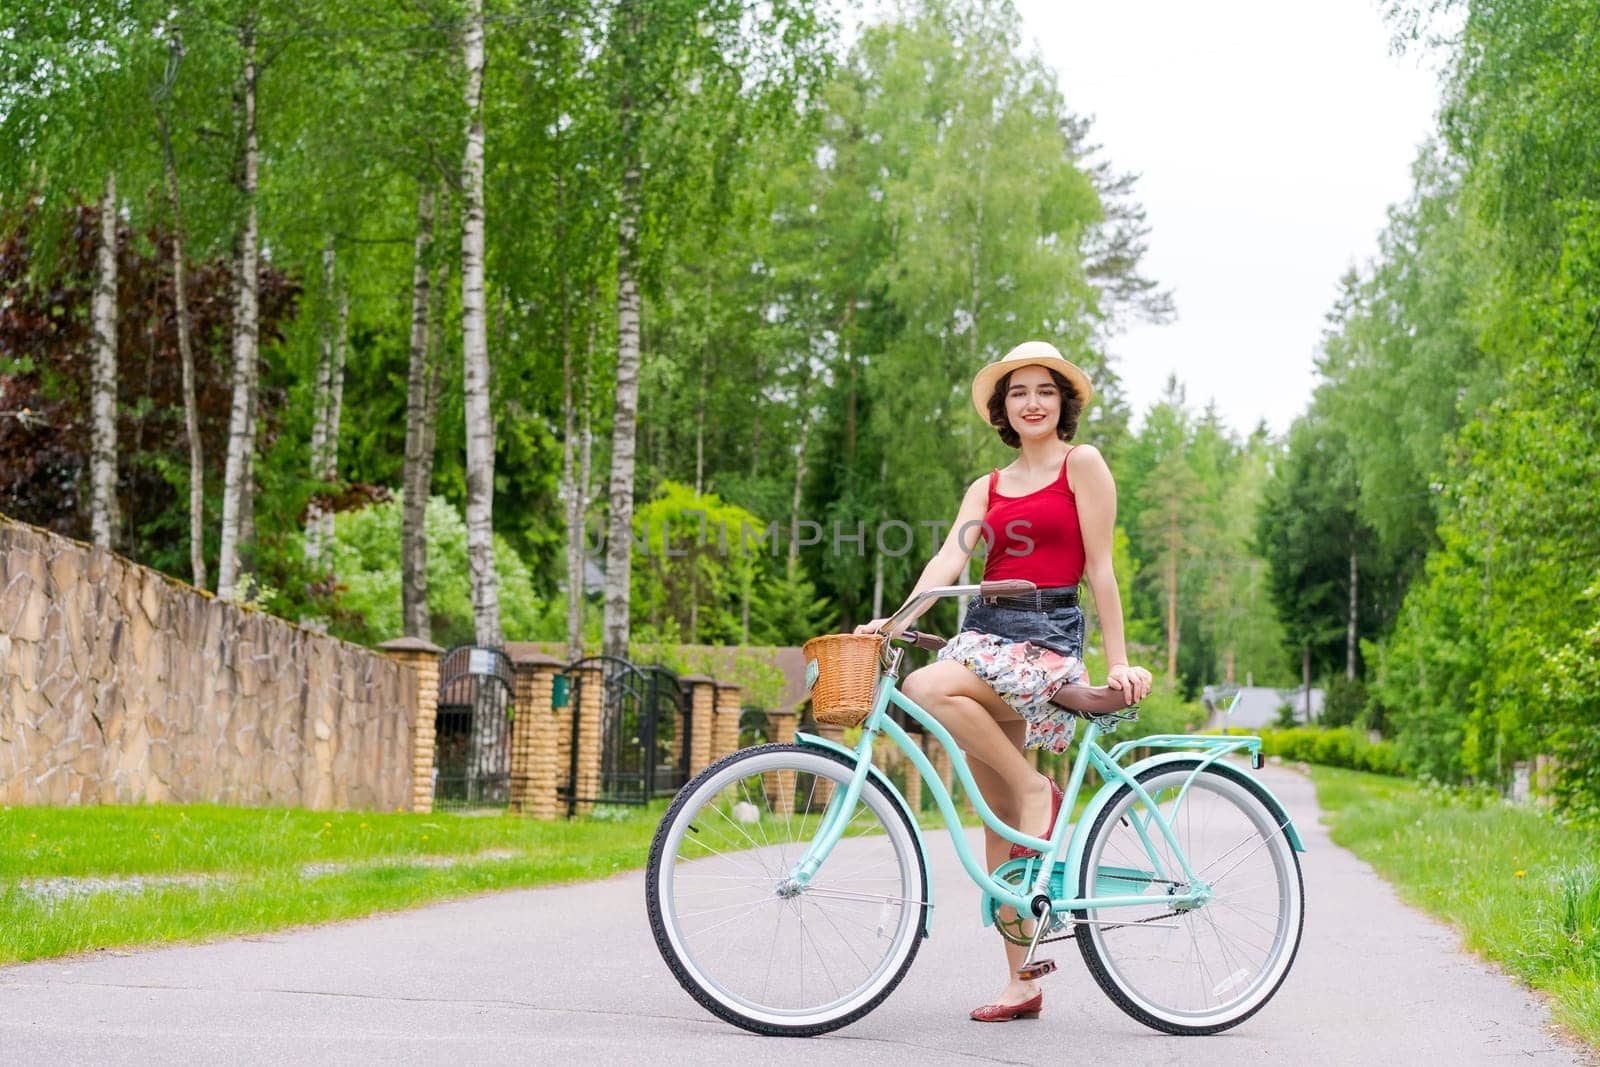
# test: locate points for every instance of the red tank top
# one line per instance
(1036, 536)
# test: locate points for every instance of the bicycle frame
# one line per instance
(1059, 846)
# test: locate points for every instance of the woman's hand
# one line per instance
(877, 624)
(1133, 682)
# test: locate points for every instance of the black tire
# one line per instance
(874, 798)
(1291, 889)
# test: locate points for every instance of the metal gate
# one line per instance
(472, 737)
(643, 751)
(671, 725)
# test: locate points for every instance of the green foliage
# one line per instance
(752, 669)
(1573, 691)
(1308, 529)
(1455, 440)
(1345, 702)
(1337, 746)
(788, 610)
(1189, 490)
(366, 559)
(45, 371)
(693, 566)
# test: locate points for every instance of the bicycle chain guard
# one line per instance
(1018, 929)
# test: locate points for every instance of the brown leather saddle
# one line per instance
(1085, 701)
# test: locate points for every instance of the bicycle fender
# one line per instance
(803, 738)
(1103, 797)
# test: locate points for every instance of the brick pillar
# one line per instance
(780, 784)
(725, 735)
(702, 716)
(534, 735)
(825, 785)
(591, 696)
(680, 719)
(913, 791)
(939, 756)
(423, 658)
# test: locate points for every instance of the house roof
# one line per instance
(1258, 705)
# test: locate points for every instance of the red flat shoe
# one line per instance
(1022, 852)
(1004, 1013)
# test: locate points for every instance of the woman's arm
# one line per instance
(945, 567)
(1096, 494)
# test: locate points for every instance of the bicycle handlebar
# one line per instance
(1006, 587)
(931, 642)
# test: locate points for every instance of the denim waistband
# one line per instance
(1065, 596)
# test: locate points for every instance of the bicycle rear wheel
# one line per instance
(757, 950)
(1208, 967)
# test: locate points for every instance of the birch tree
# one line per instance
(421, 395)
(180, 298)
(686, 79)
(328, 406)
(475, 349)
(67, 91)
(103, 450)
(236, 500)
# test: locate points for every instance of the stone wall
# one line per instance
(121, 685)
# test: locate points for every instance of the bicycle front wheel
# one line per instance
(1203, 968)
(753, 947)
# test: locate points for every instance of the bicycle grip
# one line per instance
(931, 642)
(1007, 587)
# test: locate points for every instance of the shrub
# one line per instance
(366, 557)
(1345, 703)
(1338, 746)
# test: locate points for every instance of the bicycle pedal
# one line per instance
(1036, 969)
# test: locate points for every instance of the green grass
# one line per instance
(244, 869)
(1523, 889)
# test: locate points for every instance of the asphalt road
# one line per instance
(571, 975)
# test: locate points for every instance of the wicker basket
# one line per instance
(842, 673)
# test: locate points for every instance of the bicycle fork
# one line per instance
(841, 806)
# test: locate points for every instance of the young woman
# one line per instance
(1047, 517)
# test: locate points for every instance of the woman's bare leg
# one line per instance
(991, 734)
(997, 850)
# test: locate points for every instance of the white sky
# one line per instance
(1270, 136)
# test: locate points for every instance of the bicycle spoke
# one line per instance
(1230, 949)
(865, 966)
(753, 952)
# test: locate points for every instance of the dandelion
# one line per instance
(327, 826)
(1519, 874)
(424, 837)
(364, 826)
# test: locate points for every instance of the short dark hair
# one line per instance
(1071, 408)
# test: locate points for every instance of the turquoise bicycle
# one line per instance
(788, 885)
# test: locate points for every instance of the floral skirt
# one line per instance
(1025, 656)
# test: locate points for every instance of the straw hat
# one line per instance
(1027, 354)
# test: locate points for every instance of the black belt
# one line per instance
(1039, 600)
